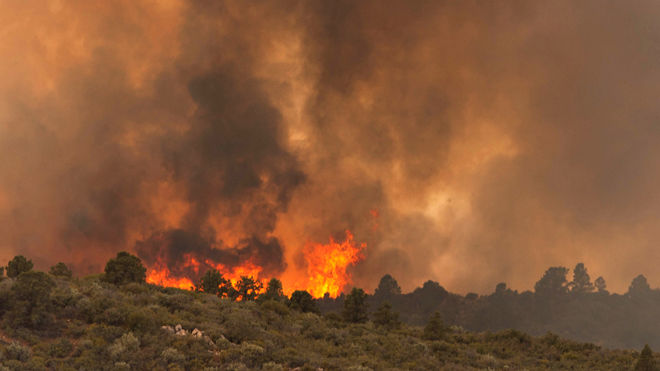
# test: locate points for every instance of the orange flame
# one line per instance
(327, 265)
(163, 276)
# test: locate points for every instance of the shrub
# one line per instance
(435, 328)
(271, 366)
(141, 320)
(275, 306)
(385, 318)
(128, 343)
(17, 351)
(125, 268)
(61, 270)
(303, 301)
(60, 349)
(172, 355)
(18, 265)
(30, 300)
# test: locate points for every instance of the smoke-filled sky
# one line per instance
(495, 139)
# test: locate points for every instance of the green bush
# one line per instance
(124, 269)
(142, 320)
(17, 351)
(61, 270)
(60, 349)
(18, 265)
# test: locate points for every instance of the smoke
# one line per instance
(495, 139)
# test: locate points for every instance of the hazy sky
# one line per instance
(496, 139)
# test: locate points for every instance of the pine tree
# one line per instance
(646, 361)
(355, 307)
(435, 328)
(18, 265)
(600, 284)
(581, 283)
(383, 316)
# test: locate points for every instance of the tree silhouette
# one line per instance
(304, 302)
(212, 282)
(553, 282)
(639, 287)
(646, 361)
(581, 283)
(435, 328)
(247, 288)
(600, 284)
(355, 307)
(273, 290)
(18, 265)
(125, 268)
(387, 288)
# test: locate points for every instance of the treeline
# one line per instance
(578, 308)
(575, 308)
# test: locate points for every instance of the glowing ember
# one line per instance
(327, 265)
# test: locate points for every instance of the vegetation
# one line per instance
(573, 306)
(125, 268)
(61, 270)
(18, 265)
(58, 322)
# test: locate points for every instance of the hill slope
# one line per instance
(93, 325)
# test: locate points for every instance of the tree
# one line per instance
(18, 265)
(303, 301)
(247, 288)
(384, 317)
(435, 328)
(500, 289)
(355, 307)
(212, 282)
(387, 288)
(125, 268)
(61, 270)
(581, 283)
(600, 284)
(30, 300)
(553, 282)
(639, 287)
(646, 361)
(273, 290)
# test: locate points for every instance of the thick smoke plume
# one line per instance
(495, 139)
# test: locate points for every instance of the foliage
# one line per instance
(552, 283)
(212, 282)
(581, 283)
(18, 265)
(247, 288)
(60, 269)
(356, 306)
(30, 297)
(387, 288)
(274, 291)
(125, 268)
(639, 287)
(303, 301)
(646, 361)
(384, 316)
(435, 328)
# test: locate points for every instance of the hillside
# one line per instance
(66, 323)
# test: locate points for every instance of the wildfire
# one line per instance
(163, 276)
(327, 265)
